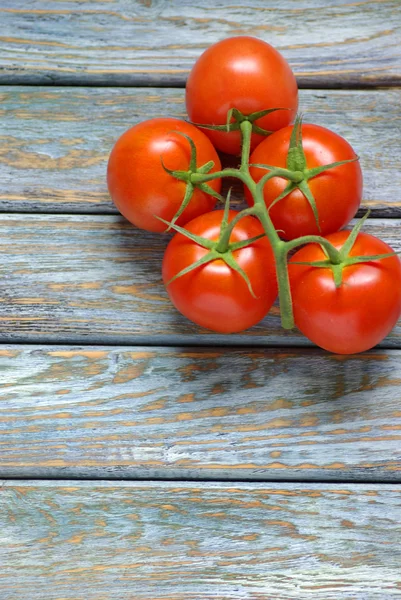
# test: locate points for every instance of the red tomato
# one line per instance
(337, 192)
(214, 295)
(362, 311)
(244, 73)
(141, 188)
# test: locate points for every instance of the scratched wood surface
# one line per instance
(54, 143)
(97, 279)
(164, 541)
(199, 413)
(100, 377)
(122, 42)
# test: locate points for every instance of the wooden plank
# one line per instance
(148, 541)
(193, 413)
(124, 42)
(56, 142)
(96, 279)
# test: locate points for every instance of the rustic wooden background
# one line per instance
(140, 456)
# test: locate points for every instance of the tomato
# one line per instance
(361, 311)
(337, 192)
(214, 295)
(138, 183)
(244, 73)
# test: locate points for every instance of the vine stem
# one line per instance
(260, 211)
(279, 247)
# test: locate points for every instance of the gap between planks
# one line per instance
(29, 475)
(170, 341)
(220, 341)
(132, 81)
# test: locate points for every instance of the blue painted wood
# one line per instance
(97, 280)
(125, 42)
(199, 412)
(56, 142)
(154, 541)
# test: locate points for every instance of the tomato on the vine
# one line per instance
(214, 295)
(337, 191)
(139, 185)
(244, 73)
(359, 313)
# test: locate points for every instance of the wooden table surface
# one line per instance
(140, 456)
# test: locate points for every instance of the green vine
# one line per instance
(297, 174)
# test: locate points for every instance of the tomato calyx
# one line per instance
(235, 117)
(187, 177)
(343, 259)
(297, 172)
(222, 249)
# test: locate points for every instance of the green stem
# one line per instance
(246, 136)
(284, 289)
(280, 252)
(204, 178)
(332, 253)
(279, 247)
(260, 211)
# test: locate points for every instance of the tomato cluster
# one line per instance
(302, 183)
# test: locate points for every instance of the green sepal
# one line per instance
(305, 189)
(283, 172)
(296, 160)
(263, 113)
(189, 190)
(181, 175)
(310, 173)
(202, 261)
(239, 117)
(337, 271)
(287, 190)
(186, 176)
(345, 259)
(232, 263)
(323, 264)
(260, 130)
(208, 190)
(227, 258)
(201, 241)
(206, 167)
(192, 160)
(355, 260)
(224, 222)
(348, 245)
(245, 243)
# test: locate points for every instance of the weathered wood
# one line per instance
(96, 279)
(86, 541)
(122, 42)
(199, 413)
(55, 142)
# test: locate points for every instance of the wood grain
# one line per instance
(55, 142)
(338, 43)
(96, 279)
(85, 541)
(193, 413)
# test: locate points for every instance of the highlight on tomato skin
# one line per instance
(213, 295)
(358, 314)
(245, 73)
(337, 192)
(139, 185)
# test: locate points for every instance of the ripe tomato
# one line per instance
(138, 183)
(214, 295)
(244, 73)
(337, 192)
(362, 311)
